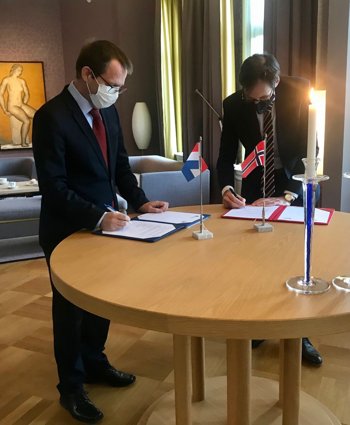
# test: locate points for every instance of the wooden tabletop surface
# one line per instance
(232, 286)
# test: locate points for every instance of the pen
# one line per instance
(237, 196)
(233, 192)
(111, 209)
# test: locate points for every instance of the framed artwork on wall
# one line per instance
(22, 92)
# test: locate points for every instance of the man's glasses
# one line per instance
(114, 89)
(247, 98)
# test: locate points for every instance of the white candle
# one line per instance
(310, 170)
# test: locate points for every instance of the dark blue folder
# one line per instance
(155, 239)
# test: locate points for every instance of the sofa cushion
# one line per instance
(12, 209)
(152, 164)
(24, 168)
(15, 177)
(19, 217)
(20, 248)
(172, 186)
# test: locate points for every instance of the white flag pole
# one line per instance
(264, 183)
(264, 227)
(203, 232)
(200, 182)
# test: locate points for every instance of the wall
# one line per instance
(130, 24)
(31, 31)
(82, 21)
(53, 31)
(336, 191)
(135, 33)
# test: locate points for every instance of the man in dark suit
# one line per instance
(278, 108)
(81, 159)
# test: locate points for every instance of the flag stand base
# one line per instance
(201, 235)
(263, 228)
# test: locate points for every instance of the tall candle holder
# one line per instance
(308, 284)
(342, 282)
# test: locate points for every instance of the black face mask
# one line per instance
(264, 105)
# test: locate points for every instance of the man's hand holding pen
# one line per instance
(114, 221)
(232, 200)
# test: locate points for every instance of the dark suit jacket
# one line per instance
(241, 124)
(73, 178)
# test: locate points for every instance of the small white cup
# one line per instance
(3, 180)
(11, 185)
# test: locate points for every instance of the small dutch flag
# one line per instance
(191, 168)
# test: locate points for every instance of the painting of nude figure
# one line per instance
(22, 92)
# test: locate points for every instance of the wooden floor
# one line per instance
(28, 374)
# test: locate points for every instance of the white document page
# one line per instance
(250, 212)
(297, 214)
(142, 230)
(170, 217)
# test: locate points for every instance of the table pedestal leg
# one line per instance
(182, 376)
(281, 377)
(238, 381)
(198, 369)
(291, 381)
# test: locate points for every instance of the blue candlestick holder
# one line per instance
(308, 284)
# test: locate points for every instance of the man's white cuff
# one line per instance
(225, 189)
(98, 225)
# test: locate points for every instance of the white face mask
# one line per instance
(103, 98)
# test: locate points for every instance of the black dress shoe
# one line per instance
(310, 354)
(257, 342)
(81, 407)
(111, 376)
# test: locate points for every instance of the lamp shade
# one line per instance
(141, 125)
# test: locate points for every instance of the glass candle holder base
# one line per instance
(314, 287)
(307, 284)
(342, 282)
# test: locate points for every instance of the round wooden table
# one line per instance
(233, 287)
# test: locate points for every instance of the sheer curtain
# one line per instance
(227, 38)
(253, 27)
(170, 62)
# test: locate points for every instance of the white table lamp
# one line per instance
(141, 125)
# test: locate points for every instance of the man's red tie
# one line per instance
(270, 155)
(100, 132)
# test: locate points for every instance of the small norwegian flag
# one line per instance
(254, 159)
(190, 168)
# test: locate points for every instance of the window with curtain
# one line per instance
(227, 39)
(253, 27)
(227, 47)
(170, 44)
(252, 39)
(171, 75)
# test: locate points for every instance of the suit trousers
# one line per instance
(79, 342)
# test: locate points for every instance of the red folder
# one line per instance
(276, 215)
